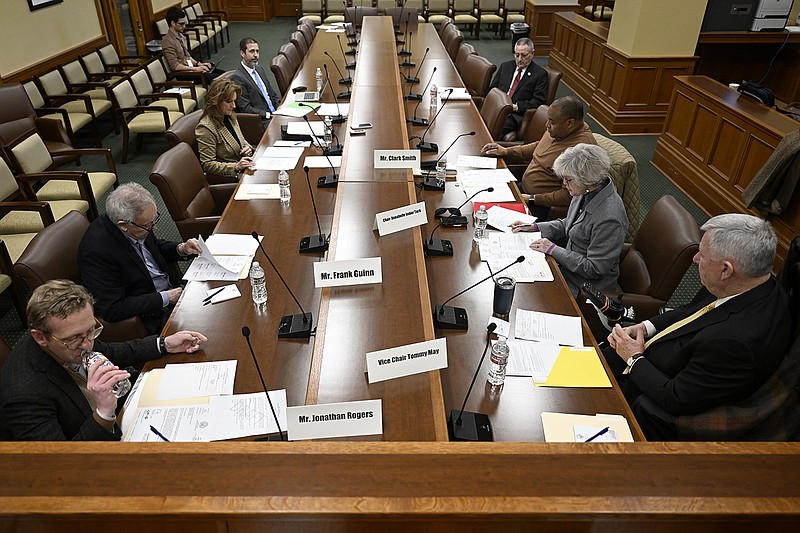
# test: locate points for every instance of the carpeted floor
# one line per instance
(271, 36)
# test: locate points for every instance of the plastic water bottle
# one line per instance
(258, 283)
(90, 357)
(434, 102)
(283, 183)
(318, 76)
(499, 362)
(328, 138)
(441, 169)
(481, 218)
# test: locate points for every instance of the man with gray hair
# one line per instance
(123, 264)
(721, 347)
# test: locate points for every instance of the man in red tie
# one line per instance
(523, 80)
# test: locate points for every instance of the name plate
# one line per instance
(346, 419)
(397, 158)
(348, 272)
(406, 360)
(401, 218)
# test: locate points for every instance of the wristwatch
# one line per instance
(631, 361)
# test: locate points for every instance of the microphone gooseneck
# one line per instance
(489, 330)
(246, 334)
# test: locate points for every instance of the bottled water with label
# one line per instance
(283, 184)
(441, 169)
(434, 102)
(481, 218)
(328, 139)
(499, 362)
(318, 76)
(90, 357)
(258, 283)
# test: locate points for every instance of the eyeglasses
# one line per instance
(522, 55)
(73, 343)
(150, 226)
(566, 179)
(179, 23)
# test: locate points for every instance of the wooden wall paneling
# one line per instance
(540, 19)
(248, 10)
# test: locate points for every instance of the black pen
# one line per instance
(165, 439)
(590, 439)
(207, 299)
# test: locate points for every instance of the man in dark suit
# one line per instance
(125, 266)
(721, 347)
(46, 393)
(523, 80)
(257, 94)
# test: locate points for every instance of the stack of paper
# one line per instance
(475, 161)
(475, 180)
(279, 158)
(501, 249)
(224, 257)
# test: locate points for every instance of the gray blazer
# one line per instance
(251, 100)
(595, 239)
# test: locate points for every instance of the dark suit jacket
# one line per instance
(39, 400)
(721, 357)
(251, 99)
(115, 274)
(531, 91)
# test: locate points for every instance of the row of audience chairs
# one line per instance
(202, 29)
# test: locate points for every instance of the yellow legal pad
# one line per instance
(577, 367)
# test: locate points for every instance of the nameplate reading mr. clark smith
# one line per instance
(401, 218)
(348, 272)
(346, 419)
(407, 360)
(397, 158)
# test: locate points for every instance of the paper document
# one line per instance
(320, 161)
(223, 294)
(482, 178)
(532, 359)
(501, 218)
(258, 191)
(475, 161)
(317, 127)
(331, 110)
(304, 144)
(206, 267)
(459, 93)
(178, 90)
(561, 427)
(560, 329)
(500, 249)
(232, 244)
(180, 423)
(501, 193)
(577, 367)
(243, 415)
(191, 380)
(279, 158)
(503, 328)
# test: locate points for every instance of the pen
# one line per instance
(165, 439)
(590, 439)
(210, 297)
(520, 225)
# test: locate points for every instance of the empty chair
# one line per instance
(54, 87)
(464, 12)
(113, 61)
(210, 26)
(489, 13)
(194, 205)
(533, 126)
(333, 11)
(310, 10)
(96, 70)
(172, 101)
(477, 73)
(291, 53)
(599, 9)
(78, 81)
(161, 77)
(452, 39)
(513, 11)
(282, 70)
(297, 39)
(437, 13)
(308, 32)
(73, 120)
(495, 110)
(220, 19)
(356, 14)
(464, 50)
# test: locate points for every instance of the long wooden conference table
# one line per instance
(415, 478)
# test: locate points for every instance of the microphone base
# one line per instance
(313, 244)
(293, 326)
(450, 318)
(399, 41)
(415, 96)
(418, 121)
(344, 95)
(412, 81)
(433, 184)
(277, 437)
(428, 147)
(447, 212)
(351, 66)
(438, 247)
(404, 53)
(408, 64)
(455, 222)
(338, 119)
(328, 182)
(475, 427)
(350, 52)
(346, 81)
(333, 150)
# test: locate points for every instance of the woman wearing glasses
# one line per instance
(595, 225)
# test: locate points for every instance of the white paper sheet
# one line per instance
(206, 267)
(275, 163)
(180, 423)
(257, 191)
(532, 359)
(476, 161)
(459, 93)
(223, 294)
(192, 380)
(500, 249)
(243, 415)
(304, 144)
(330, 110)
(548, 327)
(292, 111)
(301, 128)
(501, 218)
(320, 161)
(232, 244)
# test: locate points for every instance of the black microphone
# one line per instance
(338, 118)
(318, 242)
(469, 425)
(415, 79)
(348, 66)
(404, 52)
(455, 218)
(612, 310)
(334, 149)
(446, 317)
(436, 184)
(419, 121)
(440, 247)
(342, 81)
(327, 181)
(281, 434)
(290, 326)
(432, 147)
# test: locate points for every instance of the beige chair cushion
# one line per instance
(17, 243)
(68, 190)
(32, 155)
(152, 122)
(625, 174)
(8, 183)
(5, 282)
(31, 222)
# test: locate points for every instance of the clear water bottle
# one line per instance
(318, 76)
(283, 184)
(499, 362)
(481, 218)
(434, 102)
(258, 283)
(90, 357)
(441, 169)
(328, 138)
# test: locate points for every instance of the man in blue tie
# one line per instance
(257, 95)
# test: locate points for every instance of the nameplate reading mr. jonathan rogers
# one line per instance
(346, 419)
(397, 158)
(348, 272)
(407, 360)
(401, 218)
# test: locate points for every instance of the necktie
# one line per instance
(680, 323)
(515, 83)
(260, 85)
